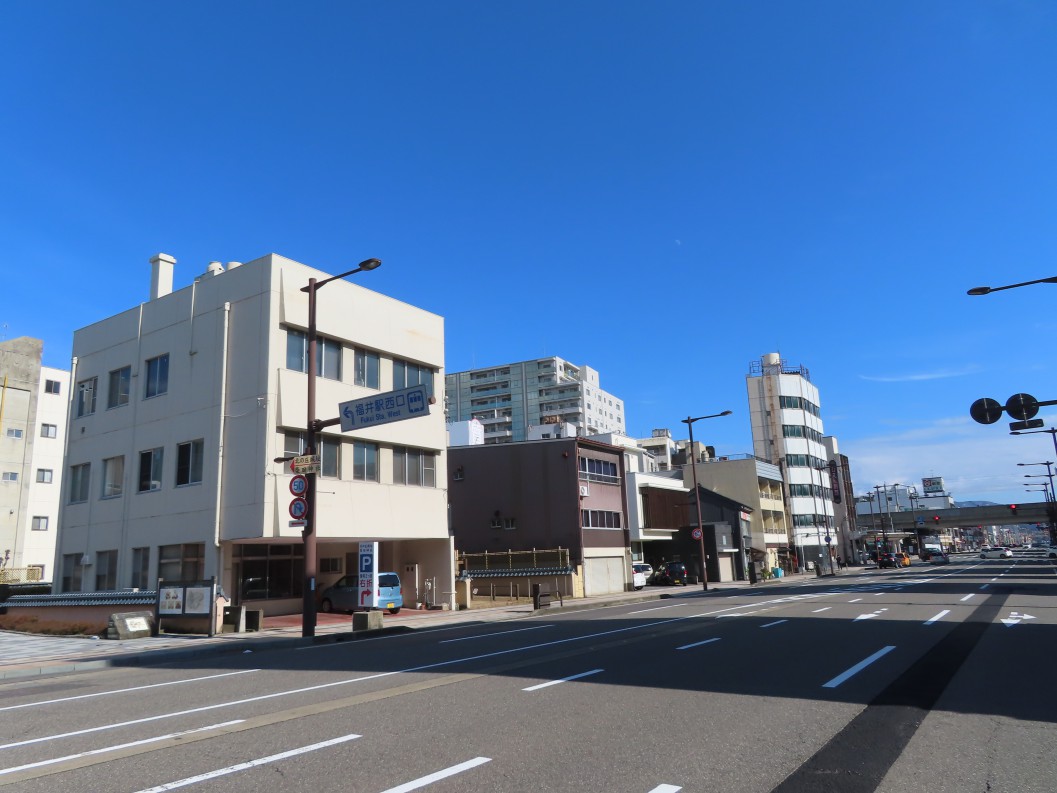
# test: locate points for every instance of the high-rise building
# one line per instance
(34, 402)
(509, 399)
(787, 430)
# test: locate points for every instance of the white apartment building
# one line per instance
(33, 407)
(508, 399)
(182, 404)
(787, 430)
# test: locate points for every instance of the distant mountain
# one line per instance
(975, 504)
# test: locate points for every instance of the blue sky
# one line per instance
(664, 191)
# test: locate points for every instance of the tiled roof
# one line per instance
(118, 597)
(524, 572)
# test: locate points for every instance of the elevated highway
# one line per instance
(929, 520)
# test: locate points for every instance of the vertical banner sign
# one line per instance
(834, 481)
(368, 574)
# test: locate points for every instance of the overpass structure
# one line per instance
(929, 521)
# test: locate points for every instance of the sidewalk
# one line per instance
(27, 655)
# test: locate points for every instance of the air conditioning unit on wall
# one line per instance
(585, 490)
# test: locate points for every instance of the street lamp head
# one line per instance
(979, 290)
(370, 264)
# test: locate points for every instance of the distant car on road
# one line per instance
(888, 560)
(996, 553)
(938, 557)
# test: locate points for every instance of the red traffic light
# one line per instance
(936, 518)
(1012, 507)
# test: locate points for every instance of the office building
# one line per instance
(509, 399)
(183, 404)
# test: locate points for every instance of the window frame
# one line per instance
(85, 406)
(362, 468)
(39, 523)
(80, 478)
(45, 476)
(364, 374)
(157, 455)
(186, 471)
(54, 428)
(119, 387)
(108, 483)
(156, 376)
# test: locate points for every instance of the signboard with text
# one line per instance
(933, 484)
(367, 571)
(407, 403)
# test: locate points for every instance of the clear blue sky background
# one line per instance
(664, 191)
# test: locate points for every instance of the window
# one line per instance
(599, 519)
(85, 404)
(13, 432)
(294, 443)
(79, 475)
(328, 354)
(120, 383)
(105, 570)
(414, 467)
(48, 430)
(140, 568)
(504, 523)
(150, 470)
(182, 562)
(598, 470)
(44, 475)
(367, 368)
(189, 462)
(270, 571)
(330, 457)
(51, 386)
(157, 376)
(71, 572)
(10, 476)
(40, 523)
(113, 477)
(406, 374)
(365, 461)
(330, 564)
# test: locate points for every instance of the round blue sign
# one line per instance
(298, 485)
(298, 508)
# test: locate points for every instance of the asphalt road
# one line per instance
(925, 678)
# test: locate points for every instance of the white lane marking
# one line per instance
(231, 769)
(878, 594)
(119, 747)
(666, 789)
(445, 773)
(126, 690)
(656, 608)
(993, 580)
(858, 667)
(939, 616)
(697, 644)
(777, 622)
(489, 635)
(825, 608)
(984, 586)
(967, 597)
(855, 601)
(563, 680)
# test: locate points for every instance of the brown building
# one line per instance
(561, 494)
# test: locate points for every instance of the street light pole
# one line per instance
(308, 534)
(689, 422)
(986, 290)
(1053, 502)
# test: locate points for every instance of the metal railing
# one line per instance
(514, 560)
(20, 575)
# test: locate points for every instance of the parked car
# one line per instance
(642, 567)
(1051, 552)
(996, 553)
(938, 557)
(671, 573)
(345, 594)
(638, 578)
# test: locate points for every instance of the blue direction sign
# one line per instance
(407, 403)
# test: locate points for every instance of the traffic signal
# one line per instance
(1013, 508)
(935, 518)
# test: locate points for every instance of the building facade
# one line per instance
(787, 430)
(33, 407)
(562, 493)
(509, 399)
(182, 405)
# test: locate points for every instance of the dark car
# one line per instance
(671, 573)
(888, 560)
